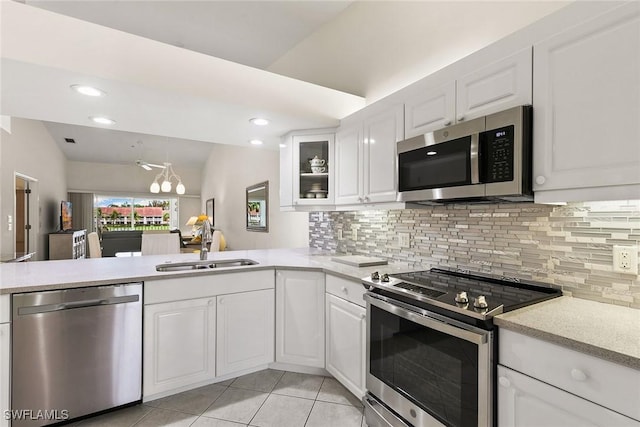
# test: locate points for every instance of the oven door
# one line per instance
(430, 370)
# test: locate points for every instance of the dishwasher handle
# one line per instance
(48, 308)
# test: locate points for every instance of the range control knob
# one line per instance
(480, 302)
(461, 297)
(384, 278)
(375, 276)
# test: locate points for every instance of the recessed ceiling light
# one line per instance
(259, 121)
(256, 142)
(88, 90)
(102, 120)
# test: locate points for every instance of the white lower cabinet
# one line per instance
(526, 402)
(300, 318)
(543, 384)
(179, 346)
(201, 327)
(5, 372)
(244, 331)
(346, 332)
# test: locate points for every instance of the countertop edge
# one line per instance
(171, 275)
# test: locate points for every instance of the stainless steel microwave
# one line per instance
(485, 159)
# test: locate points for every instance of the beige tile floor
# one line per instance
(268, 398)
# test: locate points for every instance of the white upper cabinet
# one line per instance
(430, 109)
(349, 164)
(382, 132)
(497, 86)
(313, 170)
(587, 110)
(286, 174)
(366, 157)
(304, 186)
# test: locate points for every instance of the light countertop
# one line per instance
(602, 330)
(61, 274)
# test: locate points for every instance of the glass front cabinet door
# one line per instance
(312, 170)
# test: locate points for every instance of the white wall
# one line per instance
(124, 178)
(226, 176)
(129, 179)
(30, 150)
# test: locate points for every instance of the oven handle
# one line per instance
(475, 159)
(421, 317)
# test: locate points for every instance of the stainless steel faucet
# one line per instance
(206, 238)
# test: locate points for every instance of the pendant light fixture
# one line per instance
(166, 176)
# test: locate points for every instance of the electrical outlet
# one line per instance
(625, 259)
(403, 240)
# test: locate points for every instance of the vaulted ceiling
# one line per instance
(183, 71)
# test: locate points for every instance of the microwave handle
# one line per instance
(474, 151)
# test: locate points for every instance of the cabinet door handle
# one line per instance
(344, 289)
(504, 382)
(366, 198)
(360, 199)
(447, 123)
(362, 316)
(210, 302)
(461, 118)
(221, 301)
(578, 374)
(540, 179)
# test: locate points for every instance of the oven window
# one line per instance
(436, 371)
(421, 169)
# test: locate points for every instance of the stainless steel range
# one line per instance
(431, 345)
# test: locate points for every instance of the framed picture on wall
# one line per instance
(209, 211)
(258, 207)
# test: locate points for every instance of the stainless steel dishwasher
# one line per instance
(75, 352)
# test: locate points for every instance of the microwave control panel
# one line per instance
(497, 155)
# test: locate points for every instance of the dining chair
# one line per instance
(159, 244)
(95, 251)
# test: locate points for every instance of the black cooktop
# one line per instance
(470, 294)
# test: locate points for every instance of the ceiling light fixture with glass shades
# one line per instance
(166, 175)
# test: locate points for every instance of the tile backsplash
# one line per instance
(570, 246)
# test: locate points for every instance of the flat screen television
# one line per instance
(65, 216)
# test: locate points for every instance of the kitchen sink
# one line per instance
(204, 265)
